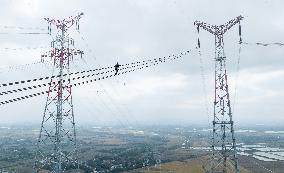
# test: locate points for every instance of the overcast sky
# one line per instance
(130, 30)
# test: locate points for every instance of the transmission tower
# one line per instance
(224, 154)
(56, 145)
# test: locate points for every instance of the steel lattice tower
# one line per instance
(224, 154)
(56, 145)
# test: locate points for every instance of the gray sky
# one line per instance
(130, 30)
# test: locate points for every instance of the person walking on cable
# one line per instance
(116, 68)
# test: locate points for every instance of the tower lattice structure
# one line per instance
(56, 145)
(224, 154)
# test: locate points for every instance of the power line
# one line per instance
(25, 33)
(261, 166)
(21, 27)
(55, 82)
(264, 44)
(24, 48)
(4, 69)
(125, 66)
(101, 85)
(73, 73)
(237, 77)
(50, 77)
(128, 70)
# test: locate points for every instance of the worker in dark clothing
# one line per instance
(116, 68)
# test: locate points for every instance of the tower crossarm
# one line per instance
(218, 30)
(225, 27)
(65, 23)
(205, 26)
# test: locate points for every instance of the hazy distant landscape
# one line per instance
(146, 148)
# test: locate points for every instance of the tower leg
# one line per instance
(224, 153)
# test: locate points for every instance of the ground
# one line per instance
(187, 166)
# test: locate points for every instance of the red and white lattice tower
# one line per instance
(56, 145)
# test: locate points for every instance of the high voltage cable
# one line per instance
(100, 111)
(264, 44)
(23, 66)
(63, 81)
(48, 77)
(44, 92)
(23, 48)
(205, 94)
(27, 65)
(237, 77)
(261, 166)
(52, 77)
(101, 85)
(78, 72)
(24, 33)
(21, 27)
(144, 65)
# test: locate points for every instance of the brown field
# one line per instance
(187, 166)
(260, 166)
